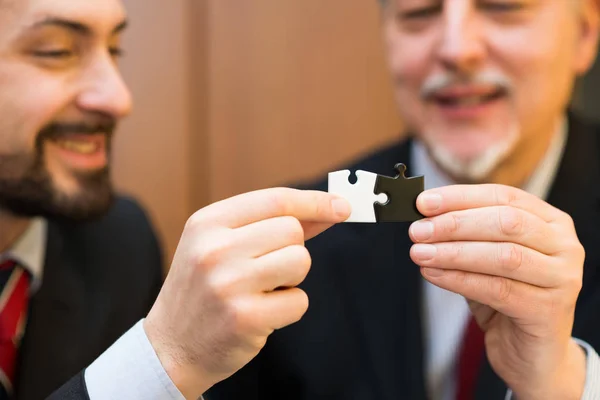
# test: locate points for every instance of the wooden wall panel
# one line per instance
(151, 158)
(295, 87)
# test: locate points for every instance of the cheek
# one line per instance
(409, 61)
(541, 73)
(28, 101)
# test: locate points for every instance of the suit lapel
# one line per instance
(576, 191)
(48, 355)
(383, 287)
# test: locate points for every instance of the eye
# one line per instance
(421, 12)
(503, 6)
(58, 53)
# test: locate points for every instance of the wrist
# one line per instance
(188, 380)
(568, 381)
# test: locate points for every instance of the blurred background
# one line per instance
(233, 95)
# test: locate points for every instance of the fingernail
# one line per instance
(422, 230)
(431, 201)
(433, 272)
(424, 252)
(341, 207)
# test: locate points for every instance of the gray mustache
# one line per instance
(439, 82)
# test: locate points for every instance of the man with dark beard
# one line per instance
(84, 312)
(26, 186)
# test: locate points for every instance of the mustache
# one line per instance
(57, 130)
(439, 82)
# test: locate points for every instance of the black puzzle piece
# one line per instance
(402, 195)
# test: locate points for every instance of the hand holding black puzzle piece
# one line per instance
(377, 198)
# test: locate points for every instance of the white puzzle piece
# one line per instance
(360, 195)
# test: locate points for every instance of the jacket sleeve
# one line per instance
(74, 389)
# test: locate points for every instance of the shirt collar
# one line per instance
(29, 250)
(538, 184)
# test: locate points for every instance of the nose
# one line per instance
(461, 47)
(104, 91)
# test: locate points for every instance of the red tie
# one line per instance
(469, 361)
(14, 296)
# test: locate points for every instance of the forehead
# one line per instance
(101, 15)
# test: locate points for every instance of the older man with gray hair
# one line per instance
(495, 293)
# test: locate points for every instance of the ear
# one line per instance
(587, 41)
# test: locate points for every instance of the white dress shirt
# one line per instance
(130, 368)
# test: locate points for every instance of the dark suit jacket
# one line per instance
(99, 279)
(362, 335)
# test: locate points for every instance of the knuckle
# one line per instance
(577, 249)
(510, 257)
(293, 230)
(453, 252)
(573, 278)
(196, 219)
(276, 201)
(214, 253)
(302, 259)
(301, 303)
(462, 278)
(451, 224)
(501, 288)
(580, 249)
(237, 319)
(322, 207)
(510, 221)
(506, 195)
(218, 287)
(257, 342)
(566, 219)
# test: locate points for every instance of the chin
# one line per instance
(36, 194)
(469, 166)
(468, 154)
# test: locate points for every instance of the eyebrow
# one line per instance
(74, 26)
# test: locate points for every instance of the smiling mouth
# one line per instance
(467, 98)
(80, 151)
(84, 144)
(78, 146)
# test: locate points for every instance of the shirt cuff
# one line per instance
(591, 389)
(130, 369)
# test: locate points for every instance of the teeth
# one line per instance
(78, 146)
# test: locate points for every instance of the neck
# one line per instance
(12, 227)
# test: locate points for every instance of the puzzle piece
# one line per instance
(402, 195)
(377, 198)
(360, 195)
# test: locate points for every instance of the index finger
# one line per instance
(462, 197)
(305, 205)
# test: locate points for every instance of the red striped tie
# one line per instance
(470, 360)
(14, 296)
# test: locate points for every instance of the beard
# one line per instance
(506, 128)
(27, 188)
(476, 169)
